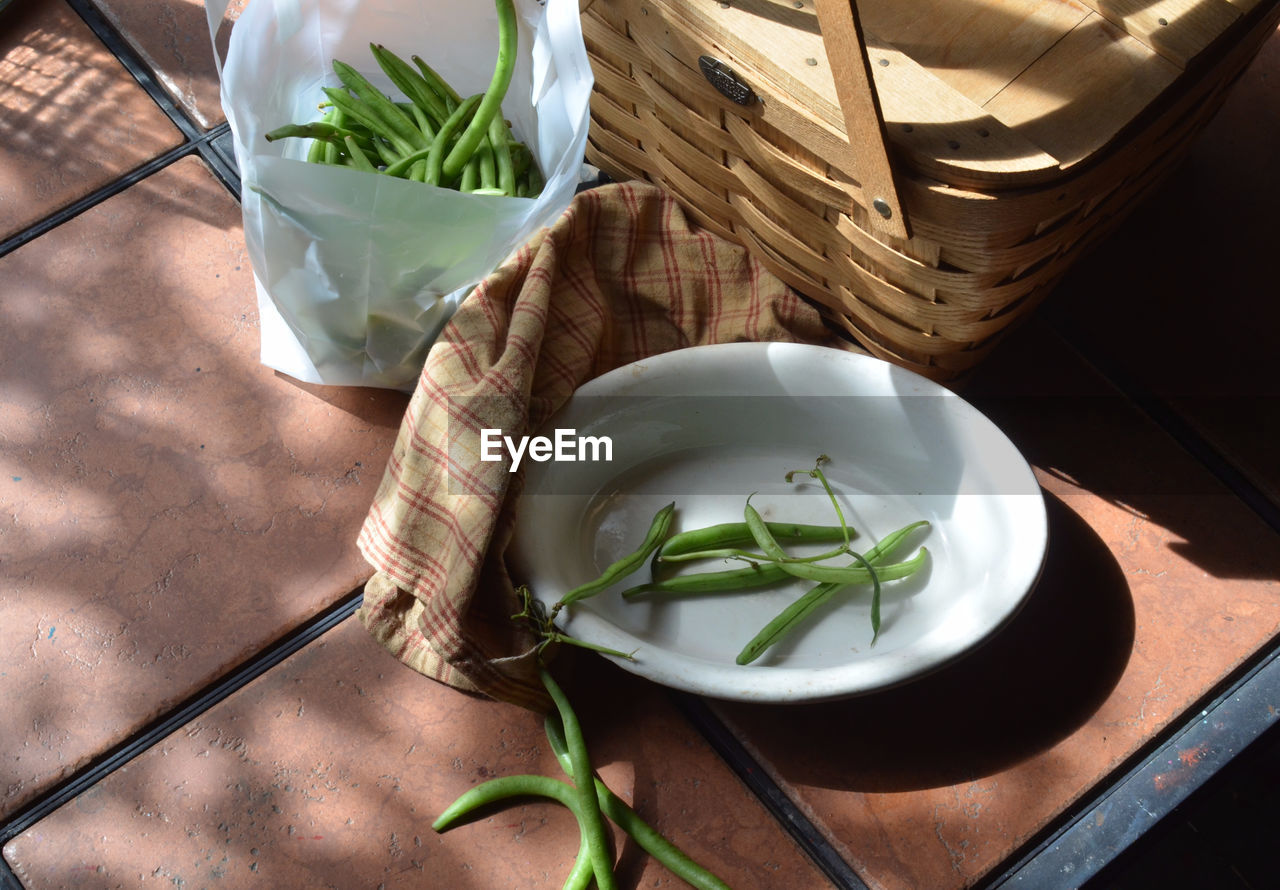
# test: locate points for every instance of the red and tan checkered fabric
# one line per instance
(622, 275)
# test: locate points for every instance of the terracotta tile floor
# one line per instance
(187, 700)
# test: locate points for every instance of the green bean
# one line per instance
(763, 538)
(385, 152)
(758, 576)
(491, 103)
(504, 788)
(359, 111)
(425, 124)
(854, 573)
(317, 130)
(751, 556)
(754, 575)
(438, 84)
(816, 596)
(892, 541)
(762, 571)
(435, 160)
(410, 82)
(644, 834)
(627, 564)
(588, 805)
(332, 154)
(316, 151)
(470, 179)
(359, 160)
(401, 166)
(582, 873)
(487, 166)
(731, 534)
(500, 149)
(788, 618)
(391, 117)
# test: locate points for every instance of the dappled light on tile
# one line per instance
(72, 119)
(173, 506)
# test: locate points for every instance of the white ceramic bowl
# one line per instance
(708, 426)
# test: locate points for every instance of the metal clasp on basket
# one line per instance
(723, 78)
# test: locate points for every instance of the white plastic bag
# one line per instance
(357, 273)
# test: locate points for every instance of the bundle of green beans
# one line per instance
(770, 564)
(432, 135)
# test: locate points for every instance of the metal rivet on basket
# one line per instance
(882, 207)
(907, 128)
(799, 4)
(1163, 22)
(884, 63)
(952, 144)
(811, 62)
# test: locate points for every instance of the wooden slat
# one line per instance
(940, 132)
(843, 42)
(1179, 30)
(948, 136)
(974, 49)
(1075, 99)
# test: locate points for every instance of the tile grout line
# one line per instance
(132, 62)
(75, 208)
(775, 801)
(170, 721)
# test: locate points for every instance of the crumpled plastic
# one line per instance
(356, 273)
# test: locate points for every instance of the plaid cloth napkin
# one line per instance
(622, 275)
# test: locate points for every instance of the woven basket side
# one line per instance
(976, 263)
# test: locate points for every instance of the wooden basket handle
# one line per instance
(847, 54)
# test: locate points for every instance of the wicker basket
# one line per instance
(995, 140)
